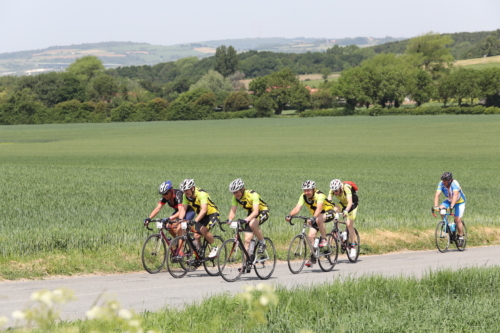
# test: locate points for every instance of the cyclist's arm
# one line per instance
(182, 211)
(349, 202)
(436, 198)
(295, 210)
(156, 210)
(177, 214)
(330, 195)
(232, 213)
(203, 211)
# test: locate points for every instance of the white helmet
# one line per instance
(335, 185)
(308, 185)
(236, 185)
(186, 184)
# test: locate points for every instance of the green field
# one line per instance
(74, 196)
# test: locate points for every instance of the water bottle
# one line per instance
(344, 235)
(316, 242)
(251, 247)
(452, 226)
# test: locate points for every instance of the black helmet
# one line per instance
(447, 176)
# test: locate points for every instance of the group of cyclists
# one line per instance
(190, 202)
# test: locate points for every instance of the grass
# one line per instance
(441, 301)
(479, 63)
(81, 191)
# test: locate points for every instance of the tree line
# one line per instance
(189, 88)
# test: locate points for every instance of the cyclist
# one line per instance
(320, 208)
(348, 205)
(173, 198)
(455, 200)
(207, 212)
(257, 209)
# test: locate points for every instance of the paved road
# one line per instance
(143, 291)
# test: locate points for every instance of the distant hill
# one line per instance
(114, 54)
(466, 45)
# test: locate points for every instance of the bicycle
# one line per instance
(234, 259)
(154, 250)
(186, 257)
(343, 239)
(446, 232)
(298, 251)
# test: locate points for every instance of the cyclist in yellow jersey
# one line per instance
(207, 212)
(348, 205)
(320, 208)
(257, 209)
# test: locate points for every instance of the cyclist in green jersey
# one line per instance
(320, 208)
(207, 212)
(257, 209)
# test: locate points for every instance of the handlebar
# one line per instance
(163, 221)
(305, 218)
(441, 211)
(239, 221)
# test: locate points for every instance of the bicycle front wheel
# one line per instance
(357, 247)
(210, 264)
(154, 253)
(265, 262)
(461, 246)
(328, 255)
(442, 237)
(231, 260)
(297, 253)
(179, 253)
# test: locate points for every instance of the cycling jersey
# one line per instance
(448, 191)
(200, 197)
(347, 191)
(175, 202)
(312, 204)
(248, 199)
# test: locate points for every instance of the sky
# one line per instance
(38, 24)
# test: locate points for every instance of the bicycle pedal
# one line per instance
(249, 268)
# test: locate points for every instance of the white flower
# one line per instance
(125, 314)
(263, 300)
(93, 313)
(134, 323)
(18, 315)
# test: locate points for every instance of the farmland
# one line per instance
(74, 196)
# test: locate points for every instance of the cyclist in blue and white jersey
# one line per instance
(455, 200)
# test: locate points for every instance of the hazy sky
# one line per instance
(37, 24)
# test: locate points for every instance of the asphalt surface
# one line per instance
(143, 291)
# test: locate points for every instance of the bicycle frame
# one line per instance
(161, 225)
(336, 232)
(237, 226)
(314, 251)
(445, 213)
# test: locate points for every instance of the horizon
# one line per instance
(34, 25)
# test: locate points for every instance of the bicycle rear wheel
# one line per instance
(154, 253)
(464, 241)
(179, 254)
(297, 254)
(329, 254)
(442, 237)
(210, 264)
(357, 247)
(231, 260)
(265, 262)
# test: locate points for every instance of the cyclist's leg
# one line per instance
(445, 205)
(321, 225)
(350, 225)
(459, 212)
(255, 229)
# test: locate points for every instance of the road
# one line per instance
(143, 291)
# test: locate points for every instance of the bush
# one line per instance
(322, 113)
(234, 115)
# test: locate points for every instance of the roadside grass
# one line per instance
(441, 301)
(82, 190)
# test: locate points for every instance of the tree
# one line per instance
(278, 87)
(214, 82)
(490, 86)
(465, 84)
(102, 88)
(431, 52)
(226, 60)
(322, 99)
(237, 101)
(421, 88)
(86, 67)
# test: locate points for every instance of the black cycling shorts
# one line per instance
(262, 217)
(207, 221)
